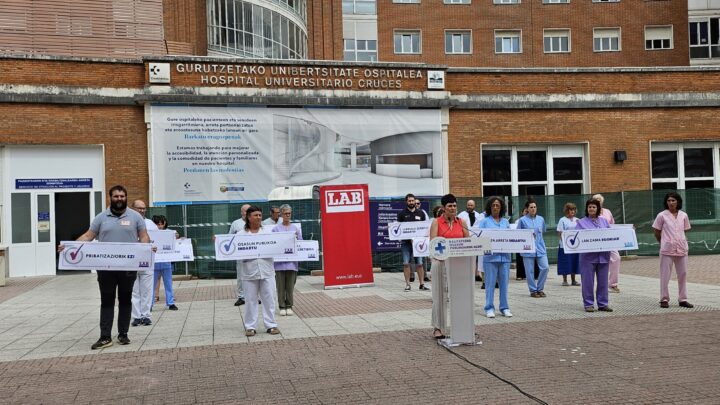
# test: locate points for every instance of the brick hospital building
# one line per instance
(202, 101)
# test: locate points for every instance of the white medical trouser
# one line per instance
(240, 293)
(142, 294)
(263, 289)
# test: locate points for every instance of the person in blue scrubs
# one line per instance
(496, 266)
(537, 223)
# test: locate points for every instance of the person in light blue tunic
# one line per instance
(537, 223)
(497, 265)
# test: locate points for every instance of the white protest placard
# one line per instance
(599, 240)
(408, 230)
(421, 247)
(305, 251)
(253, 246)
(106, 256)
(183, 252)
(509, 240)
(443, 248)
(163, 240)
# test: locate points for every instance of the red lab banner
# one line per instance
(345, 215)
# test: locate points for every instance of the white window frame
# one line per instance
(499, 32)
(548, 31)
(619, 38)
(606, 1)
(556, 1)
(457, 1)
(409, 32)
(551, 151)
(679, 148)
(506, 1)
(709, 44)
(406, 1)
(356, 50)
(456, 32)
(354, 3)
(672, 34)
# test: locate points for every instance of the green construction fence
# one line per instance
(201, 222)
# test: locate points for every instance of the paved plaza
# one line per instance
(366, 345)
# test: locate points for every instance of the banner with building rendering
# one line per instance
(227, 154)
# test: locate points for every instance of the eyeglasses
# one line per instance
(140, 209)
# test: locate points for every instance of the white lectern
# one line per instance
(458, 256)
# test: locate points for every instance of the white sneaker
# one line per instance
(490, 314)
(507, 313)
(289, 312)
(283, 312)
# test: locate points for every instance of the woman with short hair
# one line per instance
(567, 263)
(286, 272)
(594, 264)
(258, 278)
(447, 225)
(496, 265)
(537, 223)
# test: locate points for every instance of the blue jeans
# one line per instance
(500, 272)
(542, 262)
(164, 270)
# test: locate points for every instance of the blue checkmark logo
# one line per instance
(228, 247)
(395, 229)
(574, 241)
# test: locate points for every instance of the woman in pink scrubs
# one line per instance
(670, 227)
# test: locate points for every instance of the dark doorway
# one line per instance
(72, 218)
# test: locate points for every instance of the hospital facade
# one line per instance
(481, 99)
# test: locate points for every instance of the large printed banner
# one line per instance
(305, 251)
(443, 248)
(183, 252)
(231, 154)
(261, 245)
(409, 230)
(106, 256)
(599, 240)
(509, 240)
(345, 220)
(382, 214)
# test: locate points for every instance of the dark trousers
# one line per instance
(110, 282)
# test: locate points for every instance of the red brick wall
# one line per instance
(71, 73)
(606, 130)
(575, 83)
(532, 16)
(185, 21)
(120, 128)
(325, 30)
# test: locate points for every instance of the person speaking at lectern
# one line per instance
(447, 225)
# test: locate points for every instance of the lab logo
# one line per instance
(227, 247)
(436, 79)
(144, 264)
(351, 200)
(395, 229)
(421, 246)
(289, 251)
(74, 255)
(159, 72)
(439, 248)
(573, 241)
(527, 247)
